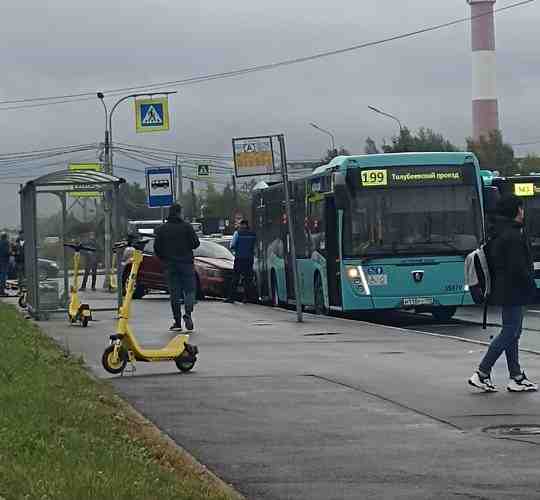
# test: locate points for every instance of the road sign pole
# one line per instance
(284, 173)
(179, 181)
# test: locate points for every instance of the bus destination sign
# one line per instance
(413, 176)
(526, 189)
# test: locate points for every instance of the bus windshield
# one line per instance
(417, 220)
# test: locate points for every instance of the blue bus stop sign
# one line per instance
(159, 187)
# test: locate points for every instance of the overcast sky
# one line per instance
(67, 46)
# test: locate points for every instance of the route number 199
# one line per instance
(374, 178)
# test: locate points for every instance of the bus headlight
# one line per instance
(355, 279)
(352, 273)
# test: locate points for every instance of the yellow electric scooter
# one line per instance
(124, 346)
(77, 312)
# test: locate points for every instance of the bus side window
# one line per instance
(316, 226)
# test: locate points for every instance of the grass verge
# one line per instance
(64, 435)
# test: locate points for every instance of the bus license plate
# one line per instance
(417, 301)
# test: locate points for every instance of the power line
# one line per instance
(82, 96)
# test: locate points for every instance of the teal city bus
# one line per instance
(385, 231)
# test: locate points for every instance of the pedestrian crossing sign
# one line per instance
(152, 115)
(203, 170)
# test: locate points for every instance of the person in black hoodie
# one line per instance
(512, 287)
(174, 245)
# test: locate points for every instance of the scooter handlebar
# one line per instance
(78, 247)
(139, 244)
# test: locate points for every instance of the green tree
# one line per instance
(528, 165)
(332, 153)
(425, 140)
(371, 148)
(493, 153)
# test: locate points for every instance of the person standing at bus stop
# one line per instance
(512, 287)
(243, 244)
(174, 245)
(90, 261)
(4, 262)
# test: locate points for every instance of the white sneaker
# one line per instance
(483, 383)
(522, 384)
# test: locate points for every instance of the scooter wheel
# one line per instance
(22, 302)
(84, 322)
(185, 362)
(112, 366)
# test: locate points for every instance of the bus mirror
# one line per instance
(340, 190)
(491, 198)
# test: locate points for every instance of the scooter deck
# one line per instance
(173, 349)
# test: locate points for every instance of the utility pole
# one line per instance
(288, 211)
(193, 201)
(179, 181)
(235, 194)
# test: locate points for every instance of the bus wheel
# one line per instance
(443, 313)
(320, 307)
(274, 291)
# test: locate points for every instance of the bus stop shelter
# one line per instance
(45, 294)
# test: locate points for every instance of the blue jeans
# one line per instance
(181, 283)
(507, 341)
(4, 267)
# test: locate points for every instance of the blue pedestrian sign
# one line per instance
(159, 187)
(151, 115)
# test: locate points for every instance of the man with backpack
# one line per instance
(512, 286)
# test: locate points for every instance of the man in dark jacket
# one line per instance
(4, 262)
(174, 245)
(243, 244)
(90, 261)
(512, 287)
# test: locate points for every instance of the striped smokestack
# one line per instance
(484, 98)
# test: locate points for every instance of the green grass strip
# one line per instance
(65, 436)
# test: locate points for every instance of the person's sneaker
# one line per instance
(229, 301)
(188, 322)
(176, 327)
(521, 384)
(482, 382)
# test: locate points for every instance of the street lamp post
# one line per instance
(327, 132)
(376, 110)
(109, 169)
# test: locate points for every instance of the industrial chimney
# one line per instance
(484, 97)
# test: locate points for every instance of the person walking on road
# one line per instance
(4, 262)
(512, 287)
(174, 245)
(90, 262)
(243, 244)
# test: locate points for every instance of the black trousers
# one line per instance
(243, 269)
(90, 267)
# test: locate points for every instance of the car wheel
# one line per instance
(139, 291)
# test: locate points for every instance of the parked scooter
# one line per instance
(124, 346)
(78, 312)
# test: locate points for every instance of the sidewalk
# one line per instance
(328, 409)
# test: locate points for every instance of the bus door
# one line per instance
(261, 265)
(287, 257)
(332, 252)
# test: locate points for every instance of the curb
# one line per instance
(154, 435)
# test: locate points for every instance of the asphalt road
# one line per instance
(331, 408)
(467, 324)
